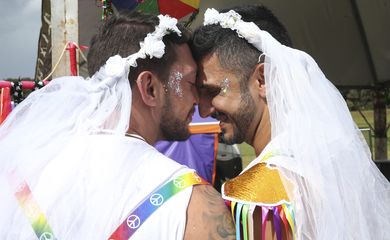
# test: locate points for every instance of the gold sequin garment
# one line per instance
(259, 184)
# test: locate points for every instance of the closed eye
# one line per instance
(211, 90)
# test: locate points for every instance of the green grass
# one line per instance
(248, 154)
(361, 123)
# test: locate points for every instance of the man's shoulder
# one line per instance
(260, 191)
(260, 184)
(208, 216)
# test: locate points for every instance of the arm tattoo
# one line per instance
(217, 215)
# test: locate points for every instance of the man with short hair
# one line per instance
(89, 170)
(312, 172)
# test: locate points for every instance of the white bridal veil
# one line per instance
(56, 116)
(338, 191)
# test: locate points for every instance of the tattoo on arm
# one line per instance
(213, 217)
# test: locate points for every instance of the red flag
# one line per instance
(175, 8)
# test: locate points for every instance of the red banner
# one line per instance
(5, 103)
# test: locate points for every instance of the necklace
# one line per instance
(135, 136)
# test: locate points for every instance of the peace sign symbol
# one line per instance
(156, 199)
(133, 221)
(46, 236)
(197, 178)
(179, 182)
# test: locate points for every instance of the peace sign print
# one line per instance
(156, 199)
(179, 182)
(197, 178)
(133, 221)
(46, 236)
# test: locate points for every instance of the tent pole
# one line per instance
(380, 93)
(43, 63)
(380, 124)
(64, 22)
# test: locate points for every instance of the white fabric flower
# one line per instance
(153, 47)
(250, 31)
(211, 16)
(168, 24)
(226, 20)
(115, 66)
(229, 19)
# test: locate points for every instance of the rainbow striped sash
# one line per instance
(30, 208)
(154, 200)
(128, 227)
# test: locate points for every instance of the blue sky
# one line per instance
(19, 32)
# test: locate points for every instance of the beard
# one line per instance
(171, 127)
(241, 119)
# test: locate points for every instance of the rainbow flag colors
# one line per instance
(137, 217)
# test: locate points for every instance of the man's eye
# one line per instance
(213, 91)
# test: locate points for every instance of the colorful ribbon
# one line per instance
(154, 200)
(232, 206)
(245, 209)
(238, 220)
(285, 222)
(283, 219)
(264, 215)
(289, 211)
(277, 222)
(32, 211)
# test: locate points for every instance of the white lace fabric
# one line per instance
(339, 192)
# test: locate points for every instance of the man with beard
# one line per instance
(312, 171)
(98, 175)
(227, 90)
(226, 64)
(164, 98)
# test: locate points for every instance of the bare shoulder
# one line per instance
(207, 215)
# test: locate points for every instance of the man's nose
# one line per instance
(205, 107)
(196, 96)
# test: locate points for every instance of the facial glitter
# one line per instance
(174, 83)
(224, 87)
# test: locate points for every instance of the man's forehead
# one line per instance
(187, 69)
(210, 72)
(211, 63)
(184, 59)
(184, 68)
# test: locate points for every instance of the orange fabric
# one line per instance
(209, 128)
(215, 158)
(205, 128)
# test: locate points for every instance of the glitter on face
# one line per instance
(174, 83)
(224, 87)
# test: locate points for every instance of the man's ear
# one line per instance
(148, 86)
(260, 80)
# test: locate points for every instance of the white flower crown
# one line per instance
(248, 30)
(152, 46)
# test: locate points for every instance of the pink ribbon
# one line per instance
(264, 215)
